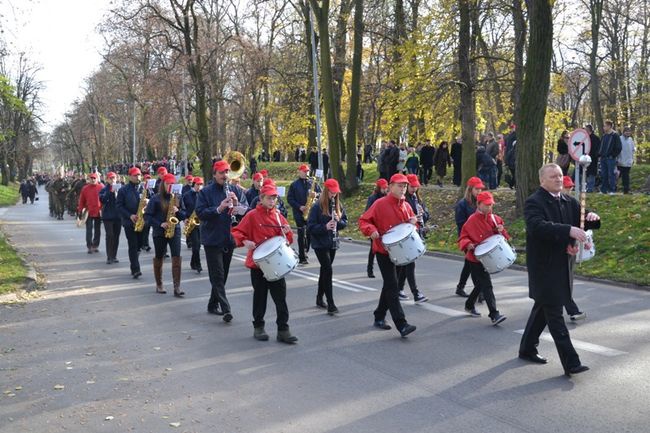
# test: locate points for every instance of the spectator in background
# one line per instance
(610, 148)
(486, 167)
(313, 161)
(367, 154)
(326, 164)
(457, 159)
(412, 161)
(390, 159)
(426, 159)
(501, 141)
(563, 157)
(511, 155)
(625, 159)
(252, 164)
(594, 153)
(442, 160)
(401, 164)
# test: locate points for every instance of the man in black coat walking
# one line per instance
(552, 229)
(426, 160)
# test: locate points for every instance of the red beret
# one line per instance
(221, 165)
(382, 183)
(332, 185)
(304, 167)
(134, 171)
(110, 174)
(413, 180)
(475, 182)
(258, 176)
(198, 180)
(268, 190)
(567, 182)
(398, 178)
(169, 178)
(161, 171)
(485, 197)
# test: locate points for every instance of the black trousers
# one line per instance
(325, 258)
(404, 273)
(551, 316)
(427, 172)
(482, 283)
(93, 231)
(113, 228)
(464, 275)
(194, 240)
(371, 259)
(302, 243)
(389, 298)
(218, 260)
(625, 177)
(143, 237)
(499, 171)
(457, 173)
(160, 245)
(133, 239)
(278, 290)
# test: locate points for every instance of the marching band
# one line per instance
(222, 216)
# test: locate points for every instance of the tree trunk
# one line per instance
(311, 129)
(520, 46)
(530, 128)
(339, 63)
(596, 10)
(351, 156)
(321, 13)
(467, 107)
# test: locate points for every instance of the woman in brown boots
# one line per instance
(161, 219)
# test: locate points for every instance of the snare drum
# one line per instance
(403, 243)
(495, 253)
(275, 258)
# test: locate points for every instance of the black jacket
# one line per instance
(426, 156)
(155, 215)
(297, 196)
(321, 237)
(109, 204)
(215, 227)
(548, 223)
(128, 199)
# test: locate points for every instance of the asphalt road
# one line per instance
(101, 352)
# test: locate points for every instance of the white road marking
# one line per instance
(583, 345)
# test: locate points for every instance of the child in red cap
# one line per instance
(480, 226)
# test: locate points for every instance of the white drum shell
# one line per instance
(275, 258)
(495, 253)
(404, 244)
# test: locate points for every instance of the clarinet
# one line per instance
(335, 235)
(226, 189)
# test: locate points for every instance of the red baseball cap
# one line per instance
(221, 165)
(413, 180)
(258, 176)
(147, 176)
(475, 182)
(198, 180)
(567, 182)
(264, 172)
(268, 181)
(110, 174)
(189, 177)
(162, 171)
(268, 190)
(169, 178)
(382, 183)
(398, 178)
(134, 171)
(304, 167)
(485, 197)
(93, 175)
(332, 185)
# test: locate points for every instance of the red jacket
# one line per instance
(255, 226)
(89, 199)
(384, 214)
(478, 228)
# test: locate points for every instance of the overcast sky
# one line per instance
(60, 36)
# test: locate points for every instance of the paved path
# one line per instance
(131, 360)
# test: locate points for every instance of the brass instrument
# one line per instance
(311, 198)
(237, 162)
(139, 224)
(192, 223)
(172, 221)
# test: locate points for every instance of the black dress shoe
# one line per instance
(406, 330)
(381, 324)
(575, 370)
(115, 261)
(332, 310)
(227, 317)
(371, 275)
(215, 310)
(462, 293)
(533, 358)
(137, 275)
(321, 304)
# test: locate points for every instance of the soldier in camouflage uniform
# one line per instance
(60, 189)
(73, 196)
(48, 188)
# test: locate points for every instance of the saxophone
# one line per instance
(139, 224)
(192, 223)
(311, 198)
(172, 221)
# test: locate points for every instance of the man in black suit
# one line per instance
(552, 229)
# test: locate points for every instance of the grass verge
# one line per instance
(9, 194)
(13, 273)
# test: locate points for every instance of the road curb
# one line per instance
(521, 268)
